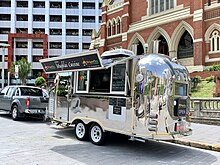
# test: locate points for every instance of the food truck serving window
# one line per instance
(100, 80)
(82, 81)
(111, 80)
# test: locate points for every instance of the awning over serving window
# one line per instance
(90, 60)
(76, 62)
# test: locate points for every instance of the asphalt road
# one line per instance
(33, 142)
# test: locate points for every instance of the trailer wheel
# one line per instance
(15, 112)
(96, 135)
(81, 131)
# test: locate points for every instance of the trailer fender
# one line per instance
(88, 121)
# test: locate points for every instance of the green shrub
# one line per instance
(197, 79)
(40, 81)
(214, 67)
(210, 78)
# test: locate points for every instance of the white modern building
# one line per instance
(46, 28)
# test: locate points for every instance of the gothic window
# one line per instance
(185, 47)
(109, 28)
(157, 6)
(118, 26)
(113, 28)
(215, 42)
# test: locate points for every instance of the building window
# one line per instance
(38, 45)
(5, 17)
(100, 19)
(157, 6)
(39, 4)
(21, 44)
(5, 3)
(113, 28)
(72, 32)
(109, 28)
(72, 45)
(100, 5)
(6, 58)
(55, 45)
(90, 19)
(22, 3)
(87, 32)
(72, 18)
(4, 30)
(55, 31)
(215, 42)
(72, 5)
(39, 31)
(22, 30)
(37, 58)
(19, 57)
(40, 18)
(118, 27)
(21, 17)
(85, 45)
(55, 18)
(87, 5)
(55, 4)
(185, 47)
(37, 72)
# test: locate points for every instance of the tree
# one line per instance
(40, 81)
(24, 68)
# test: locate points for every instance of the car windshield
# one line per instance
(31, 92)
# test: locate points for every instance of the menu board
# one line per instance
(72, 63)
(117, 104)
(118, 77)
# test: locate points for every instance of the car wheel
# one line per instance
(15, 112)
(81, 131)
(97, 135)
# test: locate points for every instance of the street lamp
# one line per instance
(3, 46)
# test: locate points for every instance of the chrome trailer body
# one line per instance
(153, 104)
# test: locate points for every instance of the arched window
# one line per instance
(113, 28)
(109, 29)
(215, 42)
(157, 6)
(119, 26)
(185, 47)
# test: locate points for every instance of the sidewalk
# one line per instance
(203, 136)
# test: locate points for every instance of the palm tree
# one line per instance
(24, 68)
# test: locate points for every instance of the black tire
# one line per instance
(15, 113)
(96, 135)
(81, 131)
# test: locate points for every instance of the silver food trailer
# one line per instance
(144, 97)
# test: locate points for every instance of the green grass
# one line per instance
(204, 89)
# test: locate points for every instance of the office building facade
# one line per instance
(37, 29)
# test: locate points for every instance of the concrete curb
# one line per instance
(196, 144)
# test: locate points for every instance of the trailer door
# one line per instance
(63, 97)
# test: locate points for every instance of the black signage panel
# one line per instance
(118, 78)
(182, 107)
(117, 110)
(117, 102)
(72, 63)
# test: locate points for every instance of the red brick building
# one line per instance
(186, 29)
